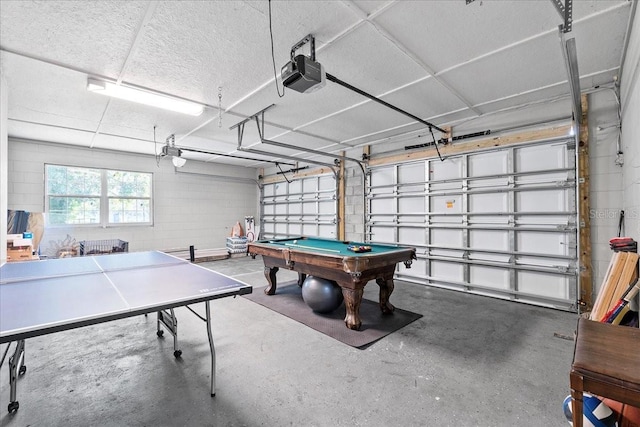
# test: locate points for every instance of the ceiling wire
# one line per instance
(435, 144)
(284, 175)
(273, 58)
(219, 106)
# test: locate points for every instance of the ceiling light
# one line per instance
(178, 161)
(144, 97)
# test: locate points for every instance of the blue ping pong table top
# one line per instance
(20, 271)
(38, 297)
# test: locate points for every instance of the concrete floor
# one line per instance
(470, 361)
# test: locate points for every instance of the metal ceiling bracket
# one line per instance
(570, 56)
(312, 46)
(565, 10)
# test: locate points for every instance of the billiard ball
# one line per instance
(295, 241)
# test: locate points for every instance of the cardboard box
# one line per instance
(24, 253)
(20, 242)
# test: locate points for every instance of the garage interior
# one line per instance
(497, 138)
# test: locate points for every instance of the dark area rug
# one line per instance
(288, 302)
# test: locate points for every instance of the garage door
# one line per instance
(305, 206)
(500, 223)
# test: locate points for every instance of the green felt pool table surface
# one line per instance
(330, 246)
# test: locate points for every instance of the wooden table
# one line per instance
(606, 363)
(333, 260)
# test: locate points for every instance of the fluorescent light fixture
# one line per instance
(178, 161)
(144, 97)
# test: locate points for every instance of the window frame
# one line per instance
(104, 197)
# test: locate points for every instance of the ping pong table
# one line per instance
(48, 296)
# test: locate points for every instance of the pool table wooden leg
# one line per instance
(270, 274)
(386, 288)
(352, 300)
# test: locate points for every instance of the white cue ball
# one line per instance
(295, 241)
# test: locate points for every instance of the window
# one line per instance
(77, 196)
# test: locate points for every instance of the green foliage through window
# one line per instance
(97, 196)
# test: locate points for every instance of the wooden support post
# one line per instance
(341, 200)
(584, 206)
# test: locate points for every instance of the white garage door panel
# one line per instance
(268, 210)
(489, 277)
(383, 234)
(449, 169)
(383, 176)
(446, 238)
(326, 183)
(506, 218)
(447, 271)
(542, 243)
(281, 209)
(418, 269)
(490, 163)
(544, 221)
(412, 205)
(295, 209)
(306, 206)
(488, 202)
(327, 207)
(489, 239)
(281, 229)
(540, 157)
(412, 236)
(541, 201)
(383, 206)
(446, 204)
(294, 187)
(547, 285)
(410, 171)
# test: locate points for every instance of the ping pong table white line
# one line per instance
(85, 273)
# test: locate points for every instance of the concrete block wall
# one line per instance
(354, 204)
(606, 190)
(196, 205)
(630, 94)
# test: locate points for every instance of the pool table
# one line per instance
(333, 260)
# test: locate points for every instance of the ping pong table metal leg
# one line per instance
(169, 320)
(16, 367)
(213, 349)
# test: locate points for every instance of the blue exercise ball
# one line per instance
(322, 295)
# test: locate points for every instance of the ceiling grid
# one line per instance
(447, 62)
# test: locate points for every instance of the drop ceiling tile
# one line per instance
(444, 33)
(44, 93)
(509, 71)
(599, 50)
(192, 48)
(40, 132)
(111, 142)
(427, 99)
(94, 36)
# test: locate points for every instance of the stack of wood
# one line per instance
(622, 271)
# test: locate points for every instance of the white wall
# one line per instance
(3, 165)
(196, 206)
(630, 94)
(630, 91)
(606, 191)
